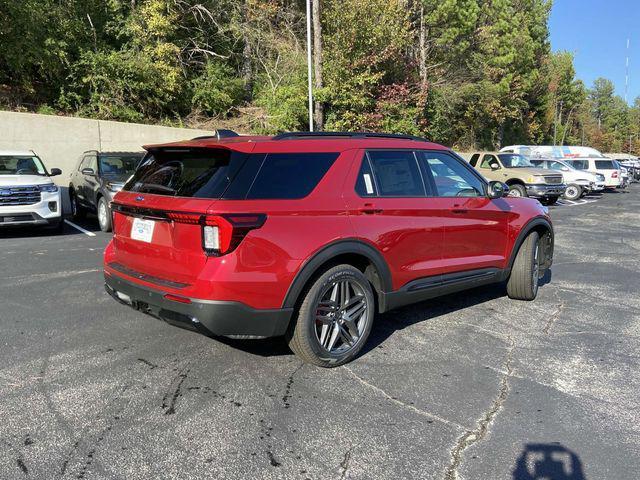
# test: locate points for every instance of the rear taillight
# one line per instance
(614, 174)
(221, 234)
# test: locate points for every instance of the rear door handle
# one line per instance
(369, 209)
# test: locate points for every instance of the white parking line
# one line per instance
(86, 232)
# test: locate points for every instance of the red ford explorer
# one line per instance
(308, 235)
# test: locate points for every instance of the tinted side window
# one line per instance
(290, 175)
(396, 173)
(450, 177)
(474, 159)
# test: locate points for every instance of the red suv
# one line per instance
(308, 235)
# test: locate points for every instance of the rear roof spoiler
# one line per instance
(219, 135)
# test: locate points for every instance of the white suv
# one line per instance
(579, 182)
(28, 196)
(604, 166)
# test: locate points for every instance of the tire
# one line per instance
(104, 215)
(573, 192)
(322, 339)
(517, 190)
(523, 281)
(77, 212)
(551, 200)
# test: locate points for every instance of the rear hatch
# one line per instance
(610, 170)
(159, 216)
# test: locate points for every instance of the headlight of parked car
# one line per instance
(48, 188)
(536, 179)
(114, 188)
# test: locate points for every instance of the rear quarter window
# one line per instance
(605, 165)
(289, 175)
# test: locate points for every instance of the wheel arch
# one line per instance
(545, 230)
(354, 252)
(515, 181)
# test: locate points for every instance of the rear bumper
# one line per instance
(542, 190)
(209, 317)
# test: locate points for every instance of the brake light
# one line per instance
(221, 234)
(189, 218)
(614, 174)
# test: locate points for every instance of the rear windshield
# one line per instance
(221, 173)
(200, 173)
(605, 165)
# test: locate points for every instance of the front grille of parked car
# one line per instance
(12, 196)
(553, 179)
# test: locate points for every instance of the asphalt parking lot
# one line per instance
(472, 386)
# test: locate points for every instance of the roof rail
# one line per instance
(320, 135)
(220, 134)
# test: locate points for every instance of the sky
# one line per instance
(596, 32)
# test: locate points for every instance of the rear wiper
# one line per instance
(151, 187)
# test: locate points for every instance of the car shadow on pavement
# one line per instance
(540, 461)
(387, 324)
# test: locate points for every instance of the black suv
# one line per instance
(96, 179)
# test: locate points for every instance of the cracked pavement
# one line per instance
(470, 386)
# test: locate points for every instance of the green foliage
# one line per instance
(217, 89)
(285, 102)
(466, 73)
(123, 85)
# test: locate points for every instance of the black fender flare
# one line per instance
(526, 230)
(340, 247)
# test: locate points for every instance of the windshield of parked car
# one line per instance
(118, 168)
(21, 165)
(513, 160)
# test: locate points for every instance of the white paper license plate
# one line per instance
(142, 229)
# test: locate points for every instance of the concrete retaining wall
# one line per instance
(59, 141)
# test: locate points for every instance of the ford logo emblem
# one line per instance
(139, 198)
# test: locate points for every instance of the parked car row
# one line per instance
(547, 173)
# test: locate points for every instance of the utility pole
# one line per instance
(317, 60)
(309, 65)
(555, 122)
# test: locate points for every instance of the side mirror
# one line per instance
(55, 172)
(88, 171)
(497, 190)
(494, 166)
